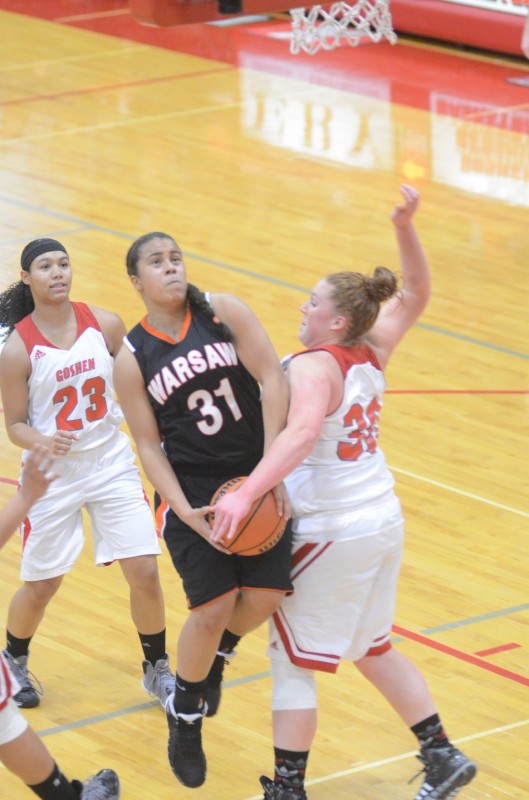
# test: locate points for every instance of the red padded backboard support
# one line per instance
(169, 13)
(437, 19)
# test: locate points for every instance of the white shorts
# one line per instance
(12, 722)
(106, 482)
(343, 602)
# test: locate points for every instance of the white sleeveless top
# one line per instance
(345, 479)
(72, 389)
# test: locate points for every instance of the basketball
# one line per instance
(260, 529)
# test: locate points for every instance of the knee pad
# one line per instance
(293, 688)
(12, 722)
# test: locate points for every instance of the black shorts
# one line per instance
(207, 573)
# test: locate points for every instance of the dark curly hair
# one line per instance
(194, 297)
(16, 302)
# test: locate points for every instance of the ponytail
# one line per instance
(197, 300)
(16, 302)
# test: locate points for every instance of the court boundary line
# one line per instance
(461, 492)
(402, 633)
(362, 767)
(468, 658)
(87, 90)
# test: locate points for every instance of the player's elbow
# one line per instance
(417, 298)
(306, 438)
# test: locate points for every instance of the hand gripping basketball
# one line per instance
(259, 530)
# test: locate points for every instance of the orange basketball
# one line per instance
(260, 530)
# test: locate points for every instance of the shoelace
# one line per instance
(271, 789)
(94, 791)
(34, 683)
(424, 769)
(165, 679)
(25, 677)
(188, 740)
(421, 771)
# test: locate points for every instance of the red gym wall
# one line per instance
(452, 22)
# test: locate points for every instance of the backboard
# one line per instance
(317, 28)
(169, 13)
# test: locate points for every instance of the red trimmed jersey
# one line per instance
(72, 389)
(346, 471)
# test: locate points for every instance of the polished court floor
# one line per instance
(272, 170)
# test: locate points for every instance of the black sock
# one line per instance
(189, 696)
(229, 641)
(56, 787)
(17, 647)
(153, 645)
(430, 732)
(290, 768)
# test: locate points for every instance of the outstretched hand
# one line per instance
(36, 475)
(403, 212)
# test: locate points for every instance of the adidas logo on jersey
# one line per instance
(39, 354)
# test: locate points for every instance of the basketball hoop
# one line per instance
(325, 28)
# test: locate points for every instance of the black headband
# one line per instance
(36, 248)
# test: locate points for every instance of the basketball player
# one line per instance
(57, 390)
(348, 527)
(21, 750)
(189, 376)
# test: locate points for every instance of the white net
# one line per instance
(325, 28)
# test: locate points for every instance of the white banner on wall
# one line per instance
(505, 6)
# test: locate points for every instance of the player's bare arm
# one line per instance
(310, 399)
(140, 418)
(113, 328)
(36, 477)
(402, 311)
(15, 369)
(257, 353)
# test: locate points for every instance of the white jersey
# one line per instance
(345, 477)
(348, 533)
(72, 389)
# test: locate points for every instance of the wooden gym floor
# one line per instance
(271, 171)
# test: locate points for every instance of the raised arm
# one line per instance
(402, 311)
(140, 418)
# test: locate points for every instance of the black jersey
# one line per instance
(206, 403)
